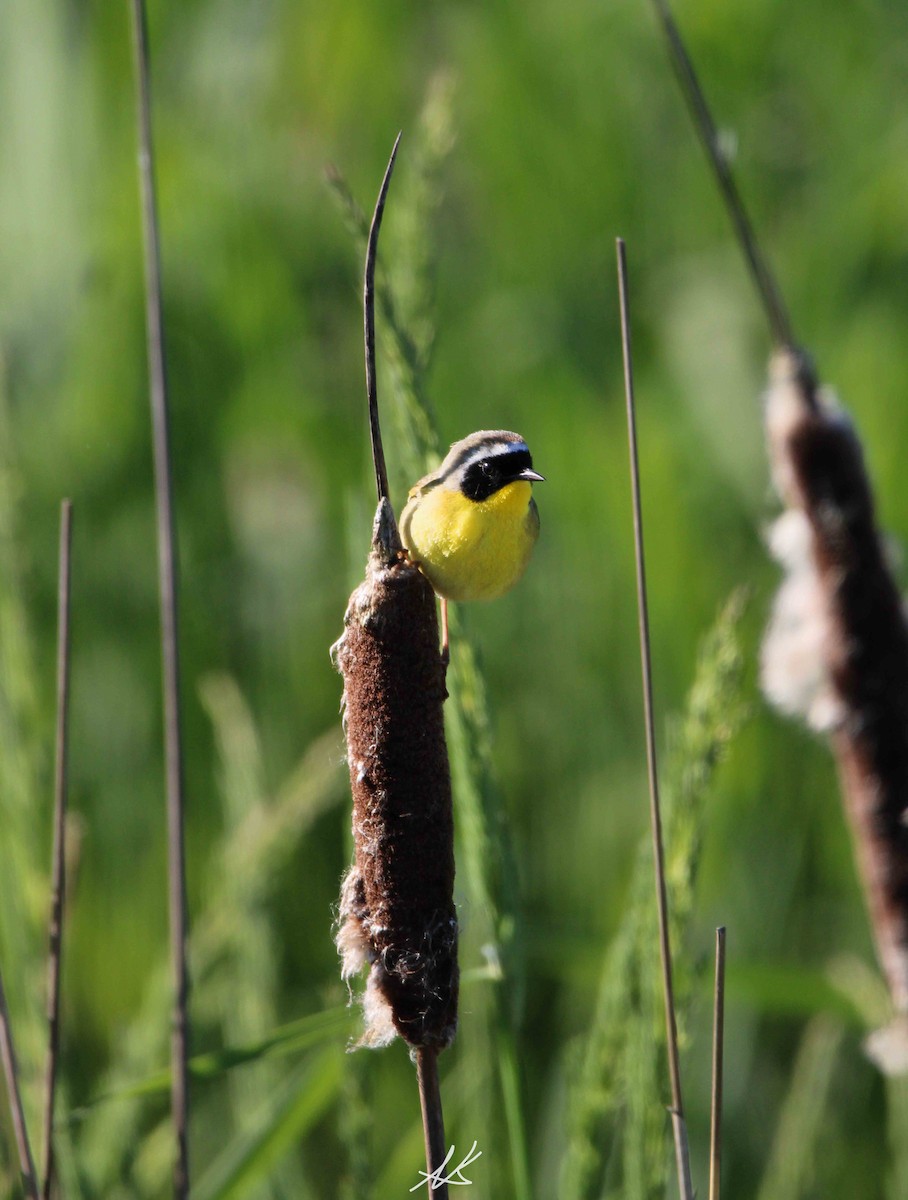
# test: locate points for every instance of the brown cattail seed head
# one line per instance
(837, 647)
(397, 909)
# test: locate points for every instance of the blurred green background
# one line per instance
(554, 128)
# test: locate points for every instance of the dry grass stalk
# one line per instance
(679, 1127)
(837, 649)
(715, 1123)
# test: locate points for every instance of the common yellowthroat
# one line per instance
(471, 525)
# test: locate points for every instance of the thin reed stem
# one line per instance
(671, 1028)
(58, 867)
(757, 264)
(433, 1122)
(378, 454)
(715, 1123)
(167, 574)
(11, 1073)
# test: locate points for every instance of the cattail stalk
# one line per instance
(397, 909)
(410, 334)
(836, 651)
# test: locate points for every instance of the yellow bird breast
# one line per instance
(467, 549)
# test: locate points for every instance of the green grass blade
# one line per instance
(789, 1173)
(298, 1106)
(250, 854)
(333, 1024)
(617, 1079)
(509, 1076)
(897, 1110)
(792, 991)
(237, 944)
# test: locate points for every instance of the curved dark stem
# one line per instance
(378, 454)
(764, 281)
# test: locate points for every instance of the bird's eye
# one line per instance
(481, 479)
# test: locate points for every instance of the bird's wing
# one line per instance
(426, 484)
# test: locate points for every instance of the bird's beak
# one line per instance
(531, 476)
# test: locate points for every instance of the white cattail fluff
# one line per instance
(796, 653)
(793, 662)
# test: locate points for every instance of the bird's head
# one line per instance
(483, 463)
